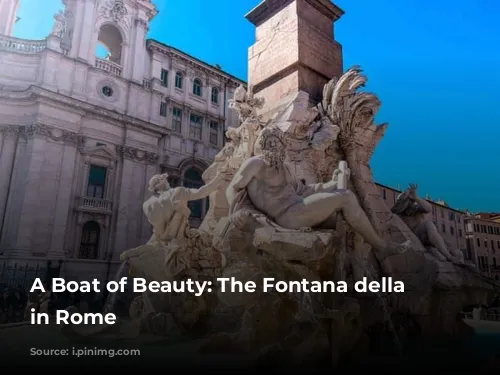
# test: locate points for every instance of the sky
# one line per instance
(435, 64)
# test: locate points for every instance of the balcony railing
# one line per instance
(11, 44)
(108, 66)
(94, 204)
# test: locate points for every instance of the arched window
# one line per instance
(192, 179)
(197, 87)
(215, 95)
(89, 243)
(178, 80)
(109, 44)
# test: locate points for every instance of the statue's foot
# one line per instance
(394, 248)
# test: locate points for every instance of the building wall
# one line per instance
(483, 242)
(70, 118)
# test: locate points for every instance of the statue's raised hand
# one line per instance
(412, 190)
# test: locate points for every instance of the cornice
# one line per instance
(52, 133)
(129, 121)
(170, 52)
(77, 140)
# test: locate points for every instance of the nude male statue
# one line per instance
(413, 211)
(167, 209)
(275, 191)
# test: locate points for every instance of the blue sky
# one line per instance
(434, 64)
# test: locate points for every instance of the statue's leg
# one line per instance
(436, 240)
(320, 207)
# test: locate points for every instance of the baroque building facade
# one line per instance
(483, 242)
(82, 133)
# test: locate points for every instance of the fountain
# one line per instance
(351, 235)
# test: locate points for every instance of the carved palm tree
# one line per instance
(354, 112)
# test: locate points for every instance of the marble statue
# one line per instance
(414, 211)
(308, 135)
(218, 205)
(167, 209)
(274, 190)
(59, 24)
(168, 213)
(294, 198)
(67, 31)
(246, 105)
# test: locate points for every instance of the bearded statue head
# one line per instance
(273, 146)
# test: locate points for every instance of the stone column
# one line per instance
(8, 140)
(139, 49)
(87, 32)
(295, 50)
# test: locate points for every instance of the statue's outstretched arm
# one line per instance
(205, 190)
(242, 178)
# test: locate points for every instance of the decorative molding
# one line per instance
(141, 23)
(137, 155)
(54, 134)
(108, 82)
(211, 71)
(41, 93)
(116, 11)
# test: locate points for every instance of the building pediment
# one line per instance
(101, 152)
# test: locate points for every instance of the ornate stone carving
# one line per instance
(59, 24)
(67, 22)
(115, 10)
(137, 155)
(141, 23)
(54, 134)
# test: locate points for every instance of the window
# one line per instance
(178, 80)
(475, 228)
(384, 194)
(451, 216)
(214, 132)
(442, 213)
(164, 77)
(485, 243)
(197, 87)
(494, 262)
(452, 230)
(458, 219)
(460, 232)
(107, 91)
(173, 181)
(498, 244)
(97, 182)
(193, 180)
(215, 95)
(176, 119)
(443, 228)
(89, 243)
(163, 109)
(195, 126)
(478, 242)
(100, 144)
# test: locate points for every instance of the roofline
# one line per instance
(430, 201)
(201, 62)
(472, 217)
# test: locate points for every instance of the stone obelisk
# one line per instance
(295, 50)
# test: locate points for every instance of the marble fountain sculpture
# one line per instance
(294, 198)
